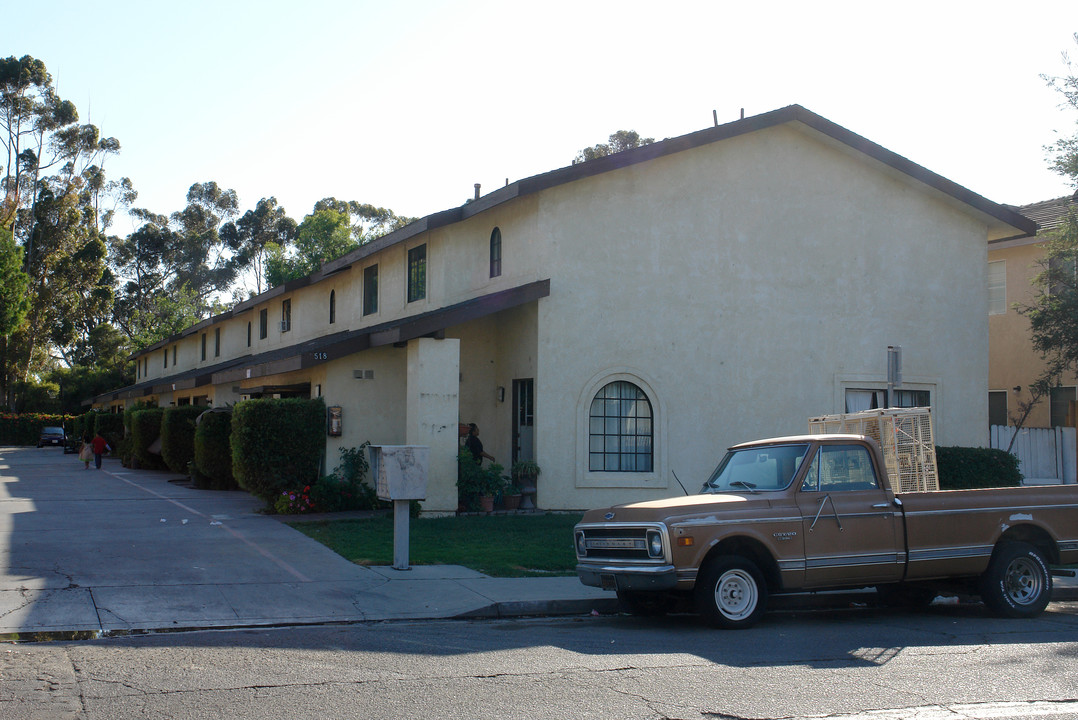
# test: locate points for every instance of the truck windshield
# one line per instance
(769, 467)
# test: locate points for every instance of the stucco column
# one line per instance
(432, 414)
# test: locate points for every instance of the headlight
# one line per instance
(581, 544)
(655, 544)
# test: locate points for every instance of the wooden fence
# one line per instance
(1046, 456)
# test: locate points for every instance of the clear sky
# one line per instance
(407, 104)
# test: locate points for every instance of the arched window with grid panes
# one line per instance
(621, 431)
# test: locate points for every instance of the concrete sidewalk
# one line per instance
(129, 550)
(121, 550)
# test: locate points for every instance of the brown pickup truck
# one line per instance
(817, 512)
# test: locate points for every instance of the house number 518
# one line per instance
(321, 356)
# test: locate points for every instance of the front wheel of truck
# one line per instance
(731, 592)
(1017, 583)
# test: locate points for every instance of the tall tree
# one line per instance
(1053, 310)
(618, 142)
(249, 236)
(13, 305)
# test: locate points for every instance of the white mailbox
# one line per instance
(400, 471)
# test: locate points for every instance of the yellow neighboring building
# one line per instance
(628, 318)
(1013, 363)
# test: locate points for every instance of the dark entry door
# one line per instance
(523, 419)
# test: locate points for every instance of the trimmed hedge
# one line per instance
(111, 427)
(145, 429)
(25, 428)
(277, 445)
(178, 436)
(212, 468)
(963, 468)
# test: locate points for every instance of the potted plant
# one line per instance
(511, 496)
(524, 474)
(477, 486)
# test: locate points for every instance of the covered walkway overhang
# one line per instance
(334, 347)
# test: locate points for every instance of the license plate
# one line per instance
(609, 582)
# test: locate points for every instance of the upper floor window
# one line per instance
(997, 287)
(417, 273)
(496, 253)
(1059, 402)
(248, 333)
(166, 356)
(263, 323)
(203, 346)
(370, 289)
(217, 342)
(174, 355)
(620, 431)
(286, 316)
(332, 306)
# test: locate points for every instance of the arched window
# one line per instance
(620, 431)
(495, 253)
(332, 306)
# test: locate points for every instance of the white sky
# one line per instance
(407, 104)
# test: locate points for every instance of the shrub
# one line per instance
(145, 430)
(962, 468)
(110, 426)
(127, 446)
(474, 480)
(277, 445)
(213, 453)
(178, 436)
(25, 428)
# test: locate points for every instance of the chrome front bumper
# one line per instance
(621, 577)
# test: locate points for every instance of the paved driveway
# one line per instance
(118, 549)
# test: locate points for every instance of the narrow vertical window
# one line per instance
(997, 287)
(173, 356)
(248, 334)
(217, 342)
(417, 273)
(496, 253)
(263, 324)
(286, 316)
(203, 346)
(166, 357)
(332, 306)
(370, 290)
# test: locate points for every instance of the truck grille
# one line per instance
(620, 543)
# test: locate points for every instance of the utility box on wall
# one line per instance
(400, 471)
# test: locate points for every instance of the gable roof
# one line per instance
(1049, 214)
(1004, 223)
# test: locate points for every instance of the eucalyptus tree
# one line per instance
(249, 237)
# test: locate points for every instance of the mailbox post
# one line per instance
(400, 474)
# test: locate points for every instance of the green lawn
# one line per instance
(496, 545)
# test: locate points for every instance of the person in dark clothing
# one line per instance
(475, 445)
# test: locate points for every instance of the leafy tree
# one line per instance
(249, 237)
(367, 221)
(13, 303)
(618, 142)
(323, 235)
(1053, 310)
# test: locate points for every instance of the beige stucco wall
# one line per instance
(1012, 360)
(747, 283)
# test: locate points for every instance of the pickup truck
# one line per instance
(817, 512)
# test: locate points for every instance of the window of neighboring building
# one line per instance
(248, 334)
(1060, 401)
(370, 290)
(263, 324)
(138, 368)
(146, 366)
(332, 306)
(620, 431)
(203, 346)
(912, 398)
(217, 342)
(174, 356)
(286, 316)
(997, 407)
(1062, 275)
(860, 399)
(997, 287)
(496, 253)
(166, 357)
(417, 273)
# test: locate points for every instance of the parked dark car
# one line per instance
(51, 436)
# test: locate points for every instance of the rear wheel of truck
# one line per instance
(731, 592)
(1017, 583)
